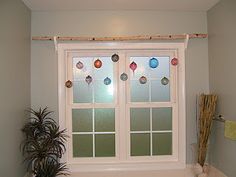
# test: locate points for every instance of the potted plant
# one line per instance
(43, 145)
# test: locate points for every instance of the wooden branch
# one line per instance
(121, 38)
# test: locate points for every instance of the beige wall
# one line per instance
(15, 83)
(222, 62)
(112, 23)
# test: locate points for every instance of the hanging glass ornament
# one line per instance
(153, 63)
(88, 79)
(133, 66)
(143, 80)
(164, 81)
(107, 81)
(68, 84)
(79, 65)
(98, 63)
(175, 61)
(123, 76)
(115, 57)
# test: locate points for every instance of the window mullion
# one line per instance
(122, 109)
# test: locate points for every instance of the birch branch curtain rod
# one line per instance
(121, 38)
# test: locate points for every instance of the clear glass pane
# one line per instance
(82, 92)
(139, 92)
(105, 145)
(103, 93)
(82, 120)
(104, 120)
(139, 119)
(140, 144)
(162, 143)
(82, 145)
(162, 119)
(159, 92)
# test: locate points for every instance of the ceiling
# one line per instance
(176, 5)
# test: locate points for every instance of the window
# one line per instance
(125, 113)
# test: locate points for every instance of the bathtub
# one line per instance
(187, 172)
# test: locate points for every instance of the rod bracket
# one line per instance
(55, 43)
(186, 41)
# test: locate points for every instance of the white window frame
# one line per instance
(178, 160)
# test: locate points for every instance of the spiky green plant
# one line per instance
(51, 168)
(44, 144)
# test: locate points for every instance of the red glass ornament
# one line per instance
(133, 66)
(98, 63)
(175, 61)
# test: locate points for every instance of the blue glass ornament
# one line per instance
(88, 79)
(115, 57)
(107, 81)
(164, 81)
(123, 76)
(153, 63)
(143, 80)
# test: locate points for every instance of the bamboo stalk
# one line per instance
(121, 38)
(207, 109)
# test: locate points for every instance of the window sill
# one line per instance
(126, 166)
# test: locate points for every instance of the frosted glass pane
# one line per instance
(96, 91)
(163, 70)
(82, 145)
(139, 92)
(80, 74)
(103, 93)
(106, 69)
(140, 144)
(162, 119)
(82, 120)
(82, 92)
(162, 143)
(142, 67)
(105, 145)
(104, 120)
(159, 92)
(140, 119)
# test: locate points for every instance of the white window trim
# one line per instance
(180, 161)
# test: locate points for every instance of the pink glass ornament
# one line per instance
(98, 63)
(88, 79)
(79, 65)
(133, 66)
(174, 61)
(143, 80)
